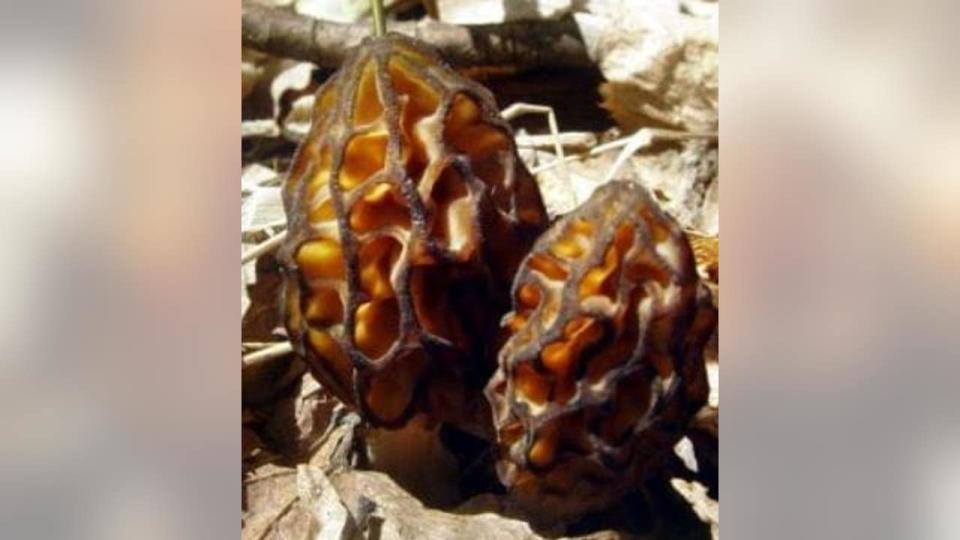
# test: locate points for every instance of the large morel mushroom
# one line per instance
(408, 213)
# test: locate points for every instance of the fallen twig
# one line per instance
(518, 109)
(276, 350)
(263, 248)
(522, 44)
(656, 134)
(567, 139)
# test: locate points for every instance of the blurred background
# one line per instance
(118, 322)
(840, 339)
(118, 170)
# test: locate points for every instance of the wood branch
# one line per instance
(522, 44)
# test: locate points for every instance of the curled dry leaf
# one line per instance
(661, 63)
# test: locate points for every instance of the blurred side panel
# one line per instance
(841, 151)
(119, 371)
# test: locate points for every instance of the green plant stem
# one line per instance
(379, 25)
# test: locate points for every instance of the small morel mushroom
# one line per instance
(602, 366)
(408, 213)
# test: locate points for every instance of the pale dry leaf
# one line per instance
(713, 377)
(685, 182)
(270, 507)
(692, 96)
(296, 124)
(302, 418)
(338, 446)
(264, 281)
(707, 9)
(292, 91)
(318, 495)
(707, 509)
(248, 278)
(266, 128)
(255, 66)
(560, 196)
(244, 296)
(375, 501)
(498, 11)
(257, 71)
(255, 175)
(374, 498)
(248, 270)
(684, 450)
(661, 64)
(628, 39)
(285, 502)
(273, 3)
(339, 11)
(262, 208)
(313, 410)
